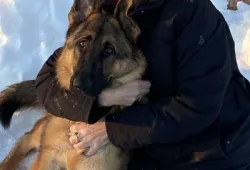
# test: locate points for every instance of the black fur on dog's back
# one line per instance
(16, 97)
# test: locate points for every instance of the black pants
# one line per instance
(237, 160)
(142, 163)
(235, 156)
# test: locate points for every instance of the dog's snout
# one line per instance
(87, 86)
(77, 83)
(82, 83)
(90, 84)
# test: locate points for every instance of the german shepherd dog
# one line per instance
(97, 44)
(232, 4)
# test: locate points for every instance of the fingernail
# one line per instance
(74, 141)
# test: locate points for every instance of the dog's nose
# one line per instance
(77, 83)
(83, 84)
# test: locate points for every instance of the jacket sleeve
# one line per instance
(203, 74)
(73, 104)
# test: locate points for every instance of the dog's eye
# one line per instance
(83, 44)
(109, 50)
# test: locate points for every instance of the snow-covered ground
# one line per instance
(31, 30)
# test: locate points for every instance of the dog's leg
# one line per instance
(108, 157)
(30, 141)
(45, 161)
(17, 153)
(35, 164)
(72, 160)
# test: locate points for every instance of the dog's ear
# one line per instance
(130, 28)
(81, 9)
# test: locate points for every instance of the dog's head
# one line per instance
(100, 49)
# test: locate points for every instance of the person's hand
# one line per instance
(125, 95)
(89, 138)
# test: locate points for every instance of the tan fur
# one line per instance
(64, 68)
(49, 135)
(232, 4)
(28, 142)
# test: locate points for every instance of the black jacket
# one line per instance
(198, 97)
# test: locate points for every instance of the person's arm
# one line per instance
(203, 74)
(73, 104)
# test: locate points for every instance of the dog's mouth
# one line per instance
(89, 85)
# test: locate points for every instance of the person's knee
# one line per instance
(139, 162)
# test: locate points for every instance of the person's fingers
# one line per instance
(143, 87)
(73, 140)
(75, 127)
(144, 84)
(71, 134)
(85, 132)
(78, 128)
(144, 92)
(80, 151)
(128, 103)
(92, 150)
(95, 147)
(81, 134)
(83, 145)
(106, 97)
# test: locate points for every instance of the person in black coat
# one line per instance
(199, 111)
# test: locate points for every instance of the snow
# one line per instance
(31, 30)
